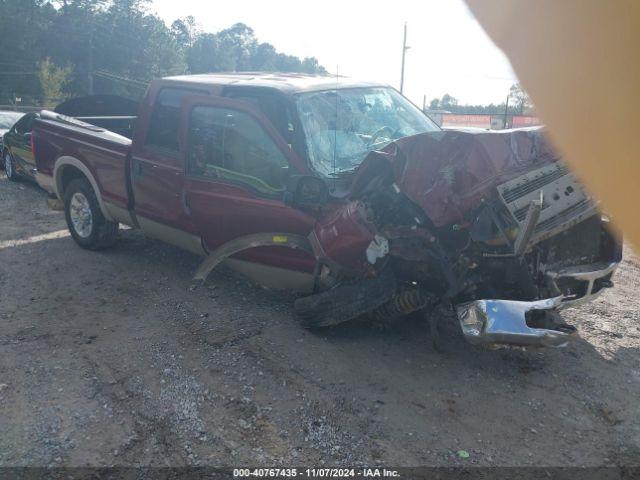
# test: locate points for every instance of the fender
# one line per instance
(64, 161)
(249, 241)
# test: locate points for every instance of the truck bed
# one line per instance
(102, 151)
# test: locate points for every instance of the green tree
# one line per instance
(520, 98)
(118, 47)
(448, 102)
(185, 31)
(53, 80)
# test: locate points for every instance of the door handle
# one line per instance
(186, 205)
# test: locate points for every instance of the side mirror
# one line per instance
(306, 191)
(27, 137)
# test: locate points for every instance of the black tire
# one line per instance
(10, 167)
(100, 232)
(345, 302)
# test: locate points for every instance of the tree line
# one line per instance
(519, 104)
(66, 48)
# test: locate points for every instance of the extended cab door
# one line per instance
(157, 173)
(236, 170)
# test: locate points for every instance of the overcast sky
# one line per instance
(450, 53)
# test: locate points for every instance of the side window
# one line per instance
(231, 145)
(165, 119)
(274, 109)
(24, 124)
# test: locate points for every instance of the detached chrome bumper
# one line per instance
(504, 322)
(592, 280)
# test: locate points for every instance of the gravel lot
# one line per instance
(110, 359)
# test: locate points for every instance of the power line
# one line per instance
(19, 64)
(117, 78)
(18, 73)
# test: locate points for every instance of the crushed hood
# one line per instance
(448, 173)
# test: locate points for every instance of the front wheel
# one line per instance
(10, 167)
(85, 220)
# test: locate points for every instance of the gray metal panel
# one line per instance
(565, 201)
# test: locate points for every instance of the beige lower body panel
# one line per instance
(276, 278)
(273, 277)
(120, 214)
(184, 240)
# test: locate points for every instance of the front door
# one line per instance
(236, 170)
(20, 143)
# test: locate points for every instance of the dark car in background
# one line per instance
(7, 120)
(112, 112)
(17, 151)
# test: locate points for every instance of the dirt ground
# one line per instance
(110, 358)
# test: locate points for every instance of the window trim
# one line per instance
(261, 193)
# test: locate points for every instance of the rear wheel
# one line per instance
(85, 220)
(10, 167)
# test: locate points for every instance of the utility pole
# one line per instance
(506, 109)
(404, 51)
(91, 63)
(424, 102)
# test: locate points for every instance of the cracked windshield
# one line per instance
(343, 126)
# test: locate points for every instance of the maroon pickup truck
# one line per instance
(345, 191)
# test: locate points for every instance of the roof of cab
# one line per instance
(289, 83)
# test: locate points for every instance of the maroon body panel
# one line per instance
(224, 212)
(449, 173)
(103, 153)
(343, 236)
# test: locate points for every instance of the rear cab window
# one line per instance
(165, 118)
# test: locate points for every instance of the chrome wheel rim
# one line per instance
(80, 214)
(8, 167)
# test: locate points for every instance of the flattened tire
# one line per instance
(345, 302)
(85, 220)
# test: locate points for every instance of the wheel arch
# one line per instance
(69, 168)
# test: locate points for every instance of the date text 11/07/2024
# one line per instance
(315, 472)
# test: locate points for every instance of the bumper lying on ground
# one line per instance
(591, 280)
(504, 322)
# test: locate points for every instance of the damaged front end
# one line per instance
(492, 223)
